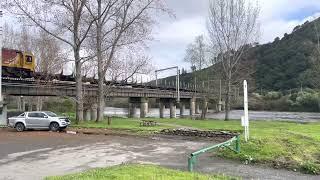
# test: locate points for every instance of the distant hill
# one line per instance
(281, 65)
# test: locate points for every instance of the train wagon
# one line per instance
(17, 63)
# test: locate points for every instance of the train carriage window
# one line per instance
(29, 59)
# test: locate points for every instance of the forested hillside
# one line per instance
(284, 64)
(288, 63)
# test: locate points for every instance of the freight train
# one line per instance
(21, 64)
(17, 63)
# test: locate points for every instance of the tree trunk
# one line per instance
(227, 103)
(19, 106)
(39, 103)
(204, 109)
(101, 75)
(79, 97)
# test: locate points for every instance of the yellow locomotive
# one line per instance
(17, 63)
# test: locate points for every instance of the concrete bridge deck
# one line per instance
(66, 88)
(138, 95)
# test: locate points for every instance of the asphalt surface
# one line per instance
(37, 154)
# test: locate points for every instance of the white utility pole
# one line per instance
(3, 111)
(1, 45)
(245, 118)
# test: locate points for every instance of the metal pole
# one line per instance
(178, 83)
(238, 144)
(246, 113)
(220, 91)
(1, 45)
(191, 161)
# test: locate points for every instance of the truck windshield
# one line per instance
(51, 114)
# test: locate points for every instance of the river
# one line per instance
(234, 114)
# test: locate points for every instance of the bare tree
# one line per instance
(196, 53)
(50, 58)
(231, 25)
(129, 62)
(65, 20)
(119, 23)
(9, 37)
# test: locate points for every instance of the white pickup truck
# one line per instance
(39, 120)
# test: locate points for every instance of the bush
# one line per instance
(273, 95)
(61, 106)
(307, 101)
(310, 168)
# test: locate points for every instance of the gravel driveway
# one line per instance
(36, 154)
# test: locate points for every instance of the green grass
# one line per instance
(132, 125)
(278, 144)
(138, 172)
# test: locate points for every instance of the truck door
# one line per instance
(34, 120)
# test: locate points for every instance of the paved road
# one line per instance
(34, 155)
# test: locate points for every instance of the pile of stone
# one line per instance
(199, 133)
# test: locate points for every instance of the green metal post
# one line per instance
(238, 144)
(190, 163)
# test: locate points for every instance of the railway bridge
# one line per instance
(138, 95)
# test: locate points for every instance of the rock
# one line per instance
(71, 132)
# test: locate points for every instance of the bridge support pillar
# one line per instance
(23, 104)
(197, 111)
(132, 109)
(192, 106)
(182, 109)
(172, 105)
(87, 114)
(143, 107)
(161, 109)
(19, 107)
(94, 111)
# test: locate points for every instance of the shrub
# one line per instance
(273, 95)
(61, 106)
(310, 168)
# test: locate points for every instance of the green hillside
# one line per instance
(284, 64)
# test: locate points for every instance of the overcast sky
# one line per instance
(172, 35)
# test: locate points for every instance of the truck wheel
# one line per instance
(54, 127)
(20, 127)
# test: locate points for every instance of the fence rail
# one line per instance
(228, 144)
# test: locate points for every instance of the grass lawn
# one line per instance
(138, 172)
(131, 125)
(278, 144)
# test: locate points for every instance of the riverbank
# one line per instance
(234, 114)
(288, 145)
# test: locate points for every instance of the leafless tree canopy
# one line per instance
(119, 25)
(197, 53)
(97, 31)
(232, 24)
